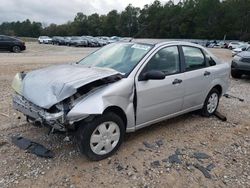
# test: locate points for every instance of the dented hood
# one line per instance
(48, 86)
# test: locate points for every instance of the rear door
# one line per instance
(2, 43)
(6, 42)
(198, 76)
(157, 99)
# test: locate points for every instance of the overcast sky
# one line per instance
(60, 11)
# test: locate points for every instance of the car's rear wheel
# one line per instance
(16, 49)
(211, 103)
(101, 137)
(236, 74)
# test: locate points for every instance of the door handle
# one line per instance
(206, 73)
(176, 81)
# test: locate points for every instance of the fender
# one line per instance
(105, 97)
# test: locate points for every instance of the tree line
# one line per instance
(197, 19)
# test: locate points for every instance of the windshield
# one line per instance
(122, 57)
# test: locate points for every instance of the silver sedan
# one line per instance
(120, 88)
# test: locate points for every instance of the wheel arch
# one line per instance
(118, 111)
(219, 88)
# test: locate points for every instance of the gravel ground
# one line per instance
(187, 151)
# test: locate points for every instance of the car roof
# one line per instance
(161, 42)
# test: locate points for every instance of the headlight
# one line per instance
(18, 82)
(59, 106)
(237, 57)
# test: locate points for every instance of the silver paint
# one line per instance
(156, 99)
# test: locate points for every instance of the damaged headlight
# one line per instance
(60, 106)
(18, 81)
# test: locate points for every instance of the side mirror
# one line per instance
(152, 75)
(243, 49)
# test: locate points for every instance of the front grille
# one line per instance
(26, 107)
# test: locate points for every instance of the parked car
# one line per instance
(241, 64)
(44, 40)
(113, 91)
(11, 44)
(101, 42)
(240, 49)
(67, 40)
(211, 44)
(221, 44)
(104, 38)
(58, 40)
(113, 39)
(233, 45)
(77, 41)
(92, 42)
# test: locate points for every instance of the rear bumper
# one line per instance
(38, 114)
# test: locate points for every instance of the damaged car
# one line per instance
(121, 88)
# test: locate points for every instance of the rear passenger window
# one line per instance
(194, 58)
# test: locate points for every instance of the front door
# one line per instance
(157, 99)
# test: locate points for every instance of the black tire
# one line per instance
(204, 111)
(230, 48)
(86, 129)
(236, 74)
(16, 49)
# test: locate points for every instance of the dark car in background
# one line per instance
(78, 41)
(58, 40)
(241, 64)
(92, 42)
(67, 40)
(12, 44)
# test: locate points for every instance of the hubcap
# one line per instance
(104, 138)
(212, 103)
(16, 49)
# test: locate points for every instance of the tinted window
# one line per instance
(5, 38)
(194, 58)
(166, 60)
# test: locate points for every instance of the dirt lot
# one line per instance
(223, 147)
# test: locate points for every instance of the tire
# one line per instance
(211, 103)
(16, 49)
(235, 74)
(97, 147)
(230, 48)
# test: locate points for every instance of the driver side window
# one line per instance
(165, 60)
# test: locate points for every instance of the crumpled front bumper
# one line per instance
(38, 114)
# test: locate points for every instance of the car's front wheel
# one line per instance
(16, 49)
(211, 103)
(235, 74)
(101, 137)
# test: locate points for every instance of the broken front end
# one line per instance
(39, 116)
(48, 102)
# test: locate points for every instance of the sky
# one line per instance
(60, 11)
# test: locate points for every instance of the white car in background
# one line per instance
(233, 45)
(44, 40)
(240, 49)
